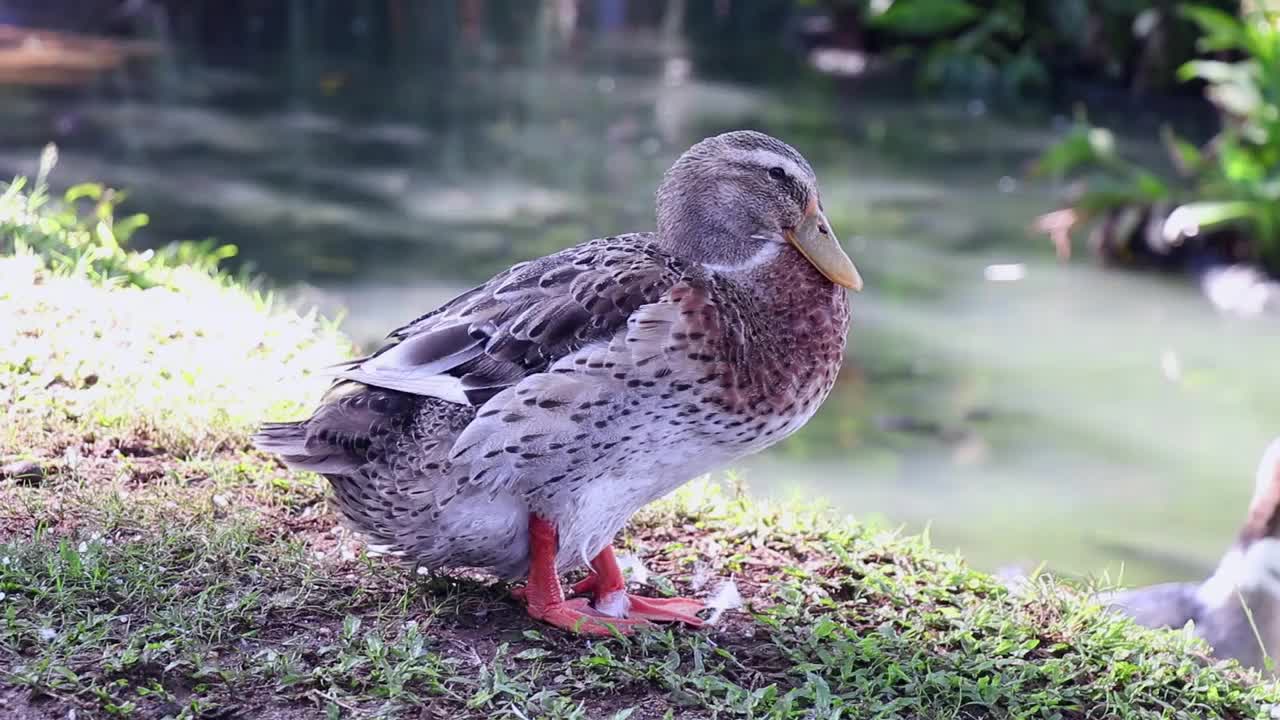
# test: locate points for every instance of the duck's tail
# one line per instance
(336, 439)
(290, 441)
(285, 439)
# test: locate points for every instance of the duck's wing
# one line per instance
(520, 322)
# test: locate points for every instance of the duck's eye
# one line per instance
(777, 173)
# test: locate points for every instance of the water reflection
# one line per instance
(1057, 413)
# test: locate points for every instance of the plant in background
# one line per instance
(1239, 181)
(1017, 47)
(968, 46)
(1227, 197)
(92, 242)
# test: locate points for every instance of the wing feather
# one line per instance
(565, 422)
(521, 322)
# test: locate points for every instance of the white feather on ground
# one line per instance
(725, 598)
(701, 576)
(633, 569)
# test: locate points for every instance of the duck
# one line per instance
(515, 429)
(1236, 610)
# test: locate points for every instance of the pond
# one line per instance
(1019, 408)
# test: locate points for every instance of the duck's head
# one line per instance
(733, 201)
(1253, 562)
(1263, 520)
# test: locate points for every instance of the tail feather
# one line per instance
(291, 442)
(385, 455)
(282, 438)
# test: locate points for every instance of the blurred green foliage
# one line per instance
(1018, 47)
(1233, 180)
(971, 47)
(80, 234)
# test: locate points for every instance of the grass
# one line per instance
(153, 565)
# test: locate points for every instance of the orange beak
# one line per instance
(815, 239)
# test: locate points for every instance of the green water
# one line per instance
(1093, 420)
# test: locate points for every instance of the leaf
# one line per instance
(93, 191)
(1241, 99)
(925, 17)
(532, 654)
(1211, 71)
(824, 628)
(1151, 185)
(1110, 197)
(124, 228)
(1025, 72)
(106, 237)
(1270, 190)
(1237, 164)
(1083, 146)
(1191, 218)
(1222, 31)
(1185, 156)
(1064, 156)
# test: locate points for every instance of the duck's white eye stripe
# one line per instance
(770, 159)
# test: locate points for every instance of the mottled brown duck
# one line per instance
(517, 428)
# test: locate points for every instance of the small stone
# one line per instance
(27, 472)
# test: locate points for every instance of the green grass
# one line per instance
(158, 567)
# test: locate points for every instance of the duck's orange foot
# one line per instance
(579, 617)
(585, 586)
(612, 610)
(605, 585)
(677, 609)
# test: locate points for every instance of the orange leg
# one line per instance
(605, 584)
(605, 576)
(608, 588)
(545, 597)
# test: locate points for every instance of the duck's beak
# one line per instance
(815, 239)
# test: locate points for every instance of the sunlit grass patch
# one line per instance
(97, 341)
(188, 367)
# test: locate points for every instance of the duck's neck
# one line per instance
(789, 284)
(788, 327)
